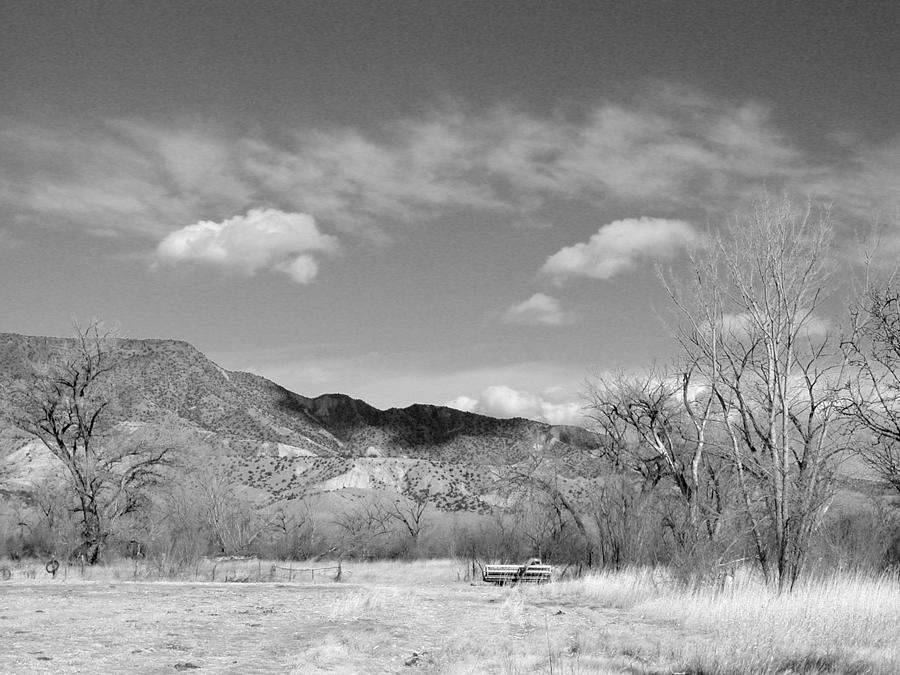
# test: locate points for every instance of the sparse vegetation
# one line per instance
(426, 617)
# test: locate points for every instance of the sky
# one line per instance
(453, 203)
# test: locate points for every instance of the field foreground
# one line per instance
(418, 617)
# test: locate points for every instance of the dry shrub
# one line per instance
(330, 655)
(361, 605)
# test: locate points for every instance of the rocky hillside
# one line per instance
(279, 441)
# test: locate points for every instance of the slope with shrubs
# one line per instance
(169, 380)
(286, 444)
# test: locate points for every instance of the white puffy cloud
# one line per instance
(553, 405)
(619, 246)
(261, 239)
(539, 309)
(464, 403)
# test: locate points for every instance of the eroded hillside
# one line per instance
(281, 443)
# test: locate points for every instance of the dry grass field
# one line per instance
(424, 617)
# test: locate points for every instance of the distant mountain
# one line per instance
(281, 442)
(434, 432)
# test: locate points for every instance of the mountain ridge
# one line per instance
(169, 390)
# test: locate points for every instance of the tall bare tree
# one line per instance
(66, 406)
(752, 324)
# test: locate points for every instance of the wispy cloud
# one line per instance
(619, 246)
(671, 150)
(865, 184)
(262, 239)
(539, 309)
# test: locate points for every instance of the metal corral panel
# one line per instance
(510, 574)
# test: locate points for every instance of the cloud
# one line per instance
(741, 325)
(619, 246)
(134, 175)
(674, 148)
(551, 406)
(865, 185)
(464, 403)
(400, 379)
(670, 150)
(539, 309)
(734, 325)
(262, 239)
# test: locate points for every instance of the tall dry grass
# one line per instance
(840, 623)
(610, 588)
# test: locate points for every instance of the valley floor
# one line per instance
(419, 618)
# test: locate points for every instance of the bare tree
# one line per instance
(235, 520)
(617, 510)
(409, 512)
(361, 527)
(541, 521)
(66, 407)
(53, 502)
(532, 470)
(872, 395)
(660, 430)
(751, 324)
(295, 532)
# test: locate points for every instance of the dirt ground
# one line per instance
(117, 627)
